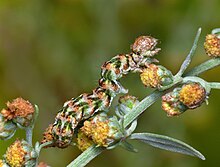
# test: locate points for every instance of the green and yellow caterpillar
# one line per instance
(79, 109)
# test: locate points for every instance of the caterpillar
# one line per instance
(77, 110)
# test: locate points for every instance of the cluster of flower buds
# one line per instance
(19, 154)
(103, 130)
(156, 76)
(19, 113)
(189, 96)
(212, 45)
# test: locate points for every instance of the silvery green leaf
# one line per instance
(167, 143)
(128, 146)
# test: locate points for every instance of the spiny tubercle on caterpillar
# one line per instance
(84, 106)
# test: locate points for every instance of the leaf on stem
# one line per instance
(167, 143)
(129, 147)
(190, 55)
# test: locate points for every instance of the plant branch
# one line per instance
(29, 134)
(86, 156)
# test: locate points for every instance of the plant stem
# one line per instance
(86, 156)
(29, 134)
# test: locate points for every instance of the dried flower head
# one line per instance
(212, 45)
(20, 154)
(145, 46)
(83, 141)
(192, 95)
(7, 128)
(156, 76)
(20, 111)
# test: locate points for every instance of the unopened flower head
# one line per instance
(20, 154)
(171, 104)
(145, 46)
(83, 141)
(20, 111)
(192, 95)
(128, 101)
(103, 132)
(212, 45)
(156, 76)
(126, 104)
(7, 128)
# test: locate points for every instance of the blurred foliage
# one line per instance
(52, 50)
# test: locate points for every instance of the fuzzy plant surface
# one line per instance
(84, 122)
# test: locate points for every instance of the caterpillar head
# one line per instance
(145, 46)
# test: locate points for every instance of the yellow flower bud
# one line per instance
(212, 45)
(20, 154)
(102, 130)
(99, 132)
(171, 104)
(156, 76)
(83, 141)
(192, 95)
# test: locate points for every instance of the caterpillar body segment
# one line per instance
(84, 106)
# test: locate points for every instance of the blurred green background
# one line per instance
(52, 50)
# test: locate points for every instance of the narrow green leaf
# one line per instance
(167, 143)
(190, 55)
(88, 155)
(129, 147)
(207, 65)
